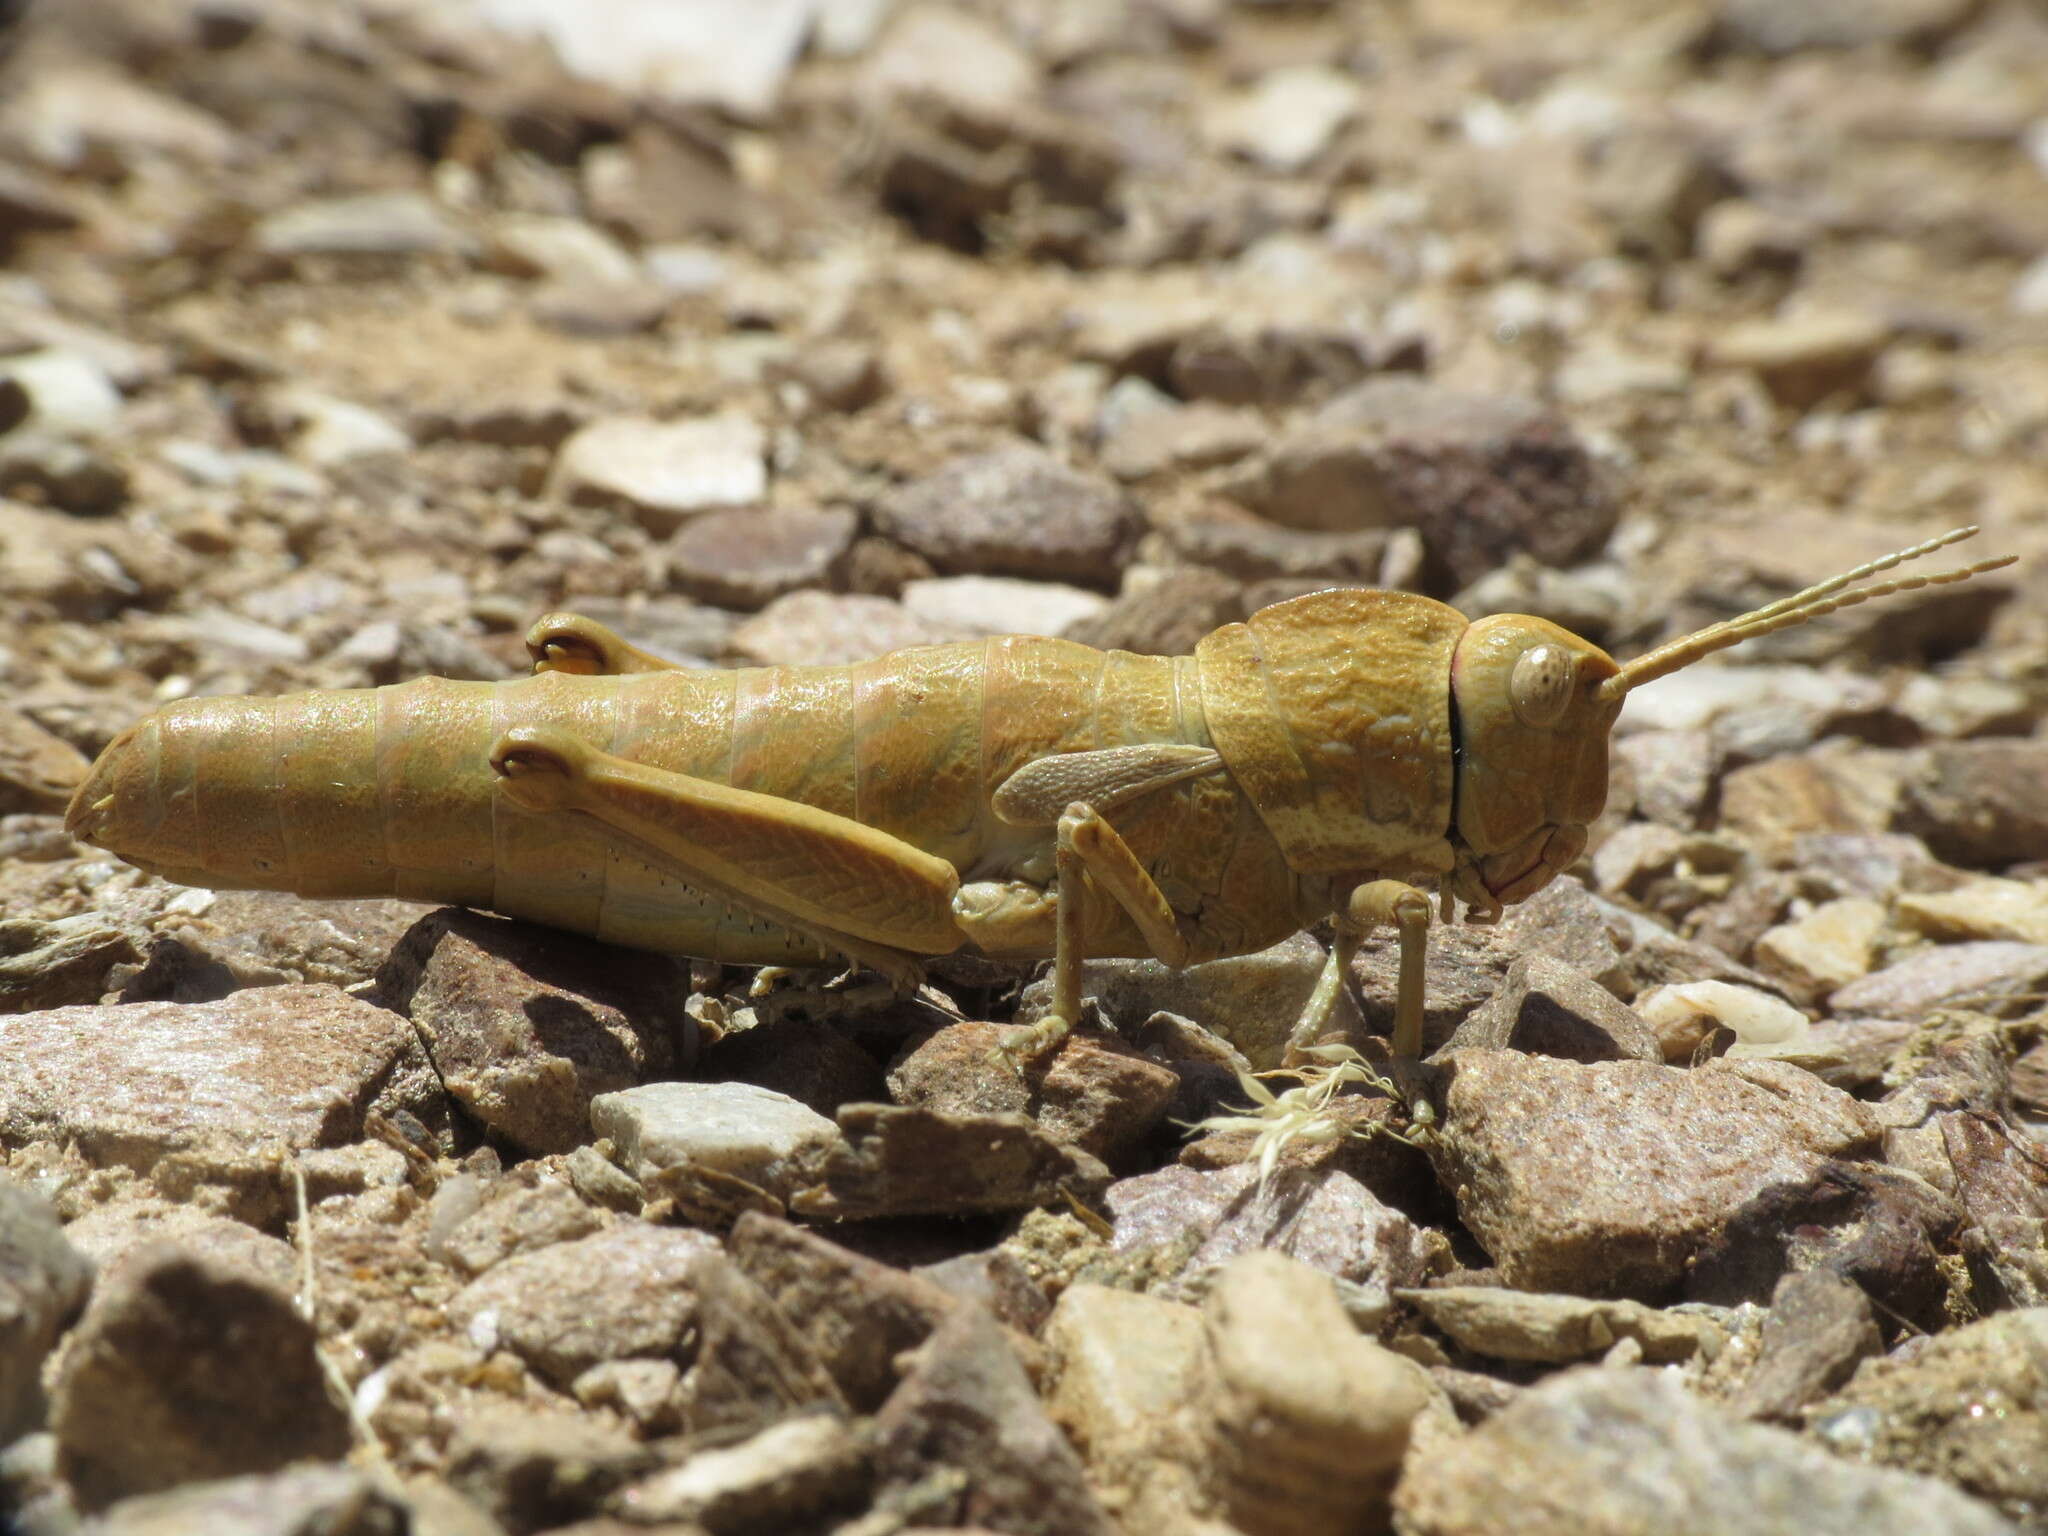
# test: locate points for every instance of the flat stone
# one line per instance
(1197, 1220)
(787, 1474)
(1198, 435)
(968, 1405)
(1288, 118)
(66, 394)
(326, 430)
(1609, 1178)
(1000, 605)
(1828, 948)
(518, 1220)
(387, 224)
(1756, 26)
(1014, 511)
(208, 1368)
(898, 1161)
(859, 1316)
(1944, 976)
(1556, 1330)
(618, 1294)
(1547, 1008)
(664, 471)
(301, 1501)
(1633, 1450)
(44, 1281)
(544, 245)
(1674, 771)
(63, 961)
(746, 557)
(1804, 359)
(1094, 1092)
(1982, 908)
(830, 629)
(1969, 1405)
(751, 1133)
(269, 938)
(296, 1067)
(528, 1025)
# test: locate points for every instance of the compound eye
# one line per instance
(1540, 687)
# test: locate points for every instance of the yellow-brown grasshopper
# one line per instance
(1339, 755)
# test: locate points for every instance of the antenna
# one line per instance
(1824, 598)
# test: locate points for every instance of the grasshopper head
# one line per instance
(1532, 753)
(1534, 705)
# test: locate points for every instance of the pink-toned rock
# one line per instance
(746, 557)
(1608, 1178)
(134, 1084)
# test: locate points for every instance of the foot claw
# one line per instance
(1018, 1046)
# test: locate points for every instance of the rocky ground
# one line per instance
(340, 338)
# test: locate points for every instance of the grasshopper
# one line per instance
(1340, 755)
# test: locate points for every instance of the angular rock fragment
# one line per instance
(302, 1501)
(527, 1025)
(516, 1221)
(139, 1084)
(750, 1133)
(751, 1363)
(38, 771)
(618, 1294)
(664, 472)
(208, 1368)
(898, 1161)
(1966, 1406)
(1609, 1178)
(1819, 1330)
(1529, 1325)
(1977, 975)
(1194, 1220)
(1547, 1008)
(1981, 804)
(1122, 1367)
(536, 1469)
(829, 629)
(1479, 476)
(858, 1316)
(801, 1470)
(747, 557)
(1094, 1092)
(1632, 1450)
(968, 1406)
(65, 961)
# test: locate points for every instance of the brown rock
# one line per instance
(1014, 511)
(329, 1500)
(752, 1364)
(518, 1220)
(43, 1285)
(1479, 476)
(1631, 1450)
(807, 1060)
(1165, 618)
(38, 771)
(1944, 976)
(1608, 1178)
(858, 1316)
(1094, 1092)
(1819, 1330)
(619, 1294)
(1804, 359)
(537, 1469)
(1981, 804)
(208, 1369)
(969, 1406)
(61, 962)
(134, 1085)
(746, 557)
(1547, 1008)
(897, 1161)
(527, 1025)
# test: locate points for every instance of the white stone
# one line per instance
(1000, 605)
(752, 1133)
(68, 394)
(939, 51)
(1288, 118)
(1764, 1025)
(331, 431)
(2030, 293)
(666, 469)
(567, 250)
(368, 224)
(731, 53)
